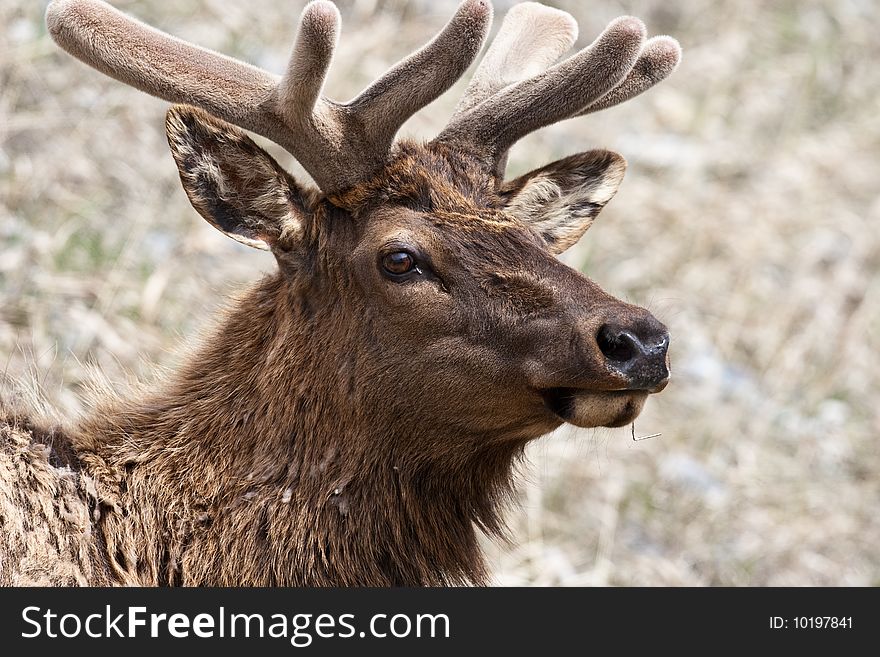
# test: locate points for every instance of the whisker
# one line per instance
(653, 435)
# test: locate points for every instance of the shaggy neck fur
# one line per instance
(252, 466)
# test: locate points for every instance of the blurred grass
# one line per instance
(748, 222)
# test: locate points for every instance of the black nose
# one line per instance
(638, 352)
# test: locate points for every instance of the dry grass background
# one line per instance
(748, 222)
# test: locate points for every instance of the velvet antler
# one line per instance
(339, 144)
(516, 89)
(513, 92)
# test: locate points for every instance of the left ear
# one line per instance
(234, 184)
(561, 200)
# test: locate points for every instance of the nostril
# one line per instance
(617, 345)
(661, 346)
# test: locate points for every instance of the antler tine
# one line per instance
(422, 77)
(532, 37)
(300, 89)
(660, 57)
(340, 144)
(560, 92)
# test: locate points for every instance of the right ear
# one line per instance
(560, 200)
(233, 183)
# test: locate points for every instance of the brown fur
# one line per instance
(334, 428)
(47, 505)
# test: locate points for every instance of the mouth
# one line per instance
(588, 408)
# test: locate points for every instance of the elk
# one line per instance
(355, 416)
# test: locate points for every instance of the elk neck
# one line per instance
(264, 461)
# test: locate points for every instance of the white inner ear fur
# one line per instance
(218, 162)
(260, 195)
(562, 214)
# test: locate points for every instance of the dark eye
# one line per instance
(398, 263)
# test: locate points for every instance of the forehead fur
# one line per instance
(448, 184)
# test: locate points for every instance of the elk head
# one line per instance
(437, 276)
